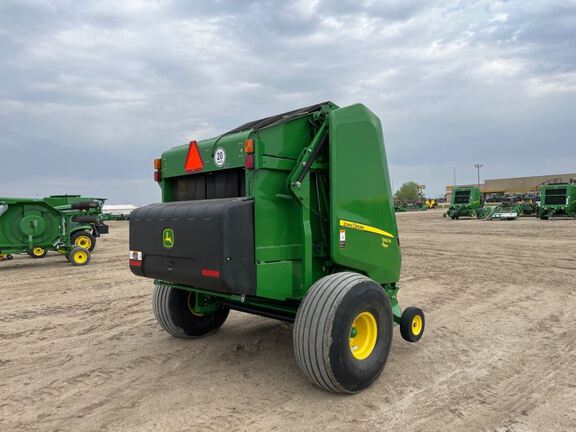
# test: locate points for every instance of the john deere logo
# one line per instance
(168, 238)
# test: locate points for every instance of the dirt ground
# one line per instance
(80, 349)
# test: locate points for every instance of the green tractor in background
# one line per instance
(289, 217)
(87, 227)
(466, 202)
(34, 227)
(558, 199)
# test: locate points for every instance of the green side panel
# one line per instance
(278, 236)
(26, 223)
(357, 147)
(275, 280)
(285, 140)
(174, 160)
(62, 200)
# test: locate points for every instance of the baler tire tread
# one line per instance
(158, 308)
(319, 299)
(313, 326)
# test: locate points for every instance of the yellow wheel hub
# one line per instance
(363, 335)
(80, 257)
(38, 251)
(83, 241)
(416, 325)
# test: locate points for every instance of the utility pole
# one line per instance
(454, 178)
(478, 166)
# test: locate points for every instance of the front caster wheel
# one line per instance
(343, 332)
(412, 323)
(173, 309)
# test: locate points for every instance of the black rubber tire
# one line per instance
(38, 256)
(172, 311)
(72, 251)
(322, 328)
(406, 321)
(88, 234)
(84, 205)
(85, 219)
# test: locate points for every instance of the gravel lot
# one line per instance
(80, 349)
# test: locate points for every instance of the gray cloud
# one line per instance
(91, 92)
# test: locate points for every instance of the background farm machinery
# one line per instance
(510, 210)
(557, 200)
(65, 224)
(466, 202)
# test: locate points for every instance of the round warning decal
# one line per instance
(219, 157)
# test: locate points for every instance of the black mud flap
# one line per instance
(204, 244)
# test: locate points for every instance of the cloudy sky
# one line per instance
(92, 91)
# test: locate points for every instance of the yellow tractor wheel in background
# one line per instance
(83, 239)
(79, 256)
(37, 252)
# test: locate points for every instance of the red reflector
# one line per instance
(134, 263)
(157, 176)
(210, 273)
(249, 161)
(193, 160)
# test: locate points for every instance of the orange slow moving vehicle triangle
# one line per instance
(193, 160)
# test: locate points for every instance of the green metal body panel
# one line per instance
(356, 147)
(307, 190)
(64, 200)
(29, 223)
(557, 200)
(472, 207)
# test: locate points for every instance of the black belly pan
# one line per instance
(204, 244)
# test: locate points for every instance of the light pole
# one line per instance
(478, 166)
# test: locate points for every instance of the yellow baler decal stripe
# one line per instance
(362, 227)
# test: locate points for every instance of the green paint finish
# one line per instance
(65, 200)
(275, 279)
(174, 160)
(302, 187)
(466, 202)
(557, 200)
(357, 148)
(28, 223)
